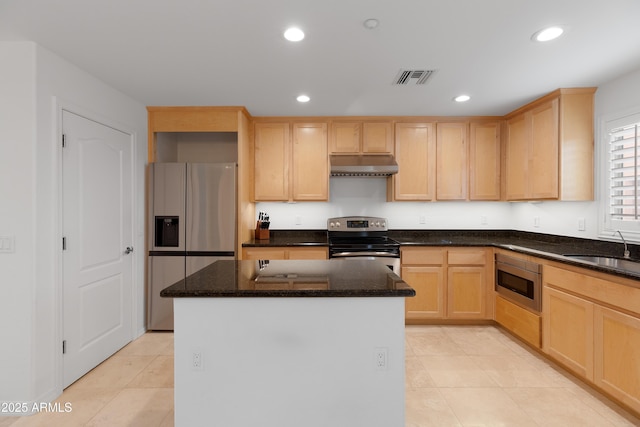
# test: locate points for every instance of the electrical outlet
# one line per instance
(422, 219)
(483, 220)
(298, 220)
(381, 358)
(196, 361)
(536, 221)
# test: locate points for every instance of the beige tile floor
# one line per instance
(456, 376)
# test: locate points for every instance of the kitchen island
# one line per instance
(290, 343)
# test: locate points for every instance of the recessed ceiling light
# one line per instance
(462, 98)
(294, 34)
(547, 34)
(371, 23)
(303, 98)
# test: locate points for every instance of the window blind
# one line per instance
(624, 173)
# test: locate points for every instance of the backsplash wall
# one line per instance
(367, 196)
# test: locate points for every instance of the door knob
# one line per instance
(128, 250)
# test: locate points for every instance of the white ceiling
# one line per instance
(232, 52)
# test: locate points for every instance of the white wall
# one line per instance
(17, 218)
(39, 83)
(367, 196)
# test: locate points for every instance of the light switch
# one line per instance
(581, 224)
(7, 244)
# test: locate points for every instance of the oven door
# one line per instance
(389, 259)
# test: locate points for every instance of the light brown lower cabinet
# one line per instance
(283, 252)
(450, 283)
(617, 355)
(568, 331)
(519, 321)
(592, 326)
(428, 282)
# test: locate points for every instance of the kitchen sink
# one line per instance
(613, 262)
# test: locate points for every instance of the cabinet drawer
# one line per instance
(308, 253)
(521, 322)
(264, 253)
(423, 256)
(615, 294)
(278, 253)
(467, 257)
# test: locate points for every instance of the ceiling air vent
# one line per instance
(418, 77)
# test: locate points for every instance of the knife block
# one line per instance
(261, 233)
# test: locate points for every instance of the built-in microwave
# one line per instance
(520, 281)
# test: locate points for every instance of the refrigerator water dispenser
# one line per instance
(167, 231)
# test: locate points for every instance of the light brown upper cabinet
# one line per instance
(291, 162)
(310, 162)
(272, 152)
(549, 148)
(484, 160)
(357, 137)
(452, 153)
(415, 152)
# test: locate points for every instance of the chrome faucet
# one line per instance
(626, 249)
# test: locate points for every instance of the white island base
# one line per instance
(289, 362)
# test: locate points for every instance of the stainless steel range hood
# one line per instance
(363, 165)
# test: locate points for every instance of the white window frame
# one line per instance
(608, 227)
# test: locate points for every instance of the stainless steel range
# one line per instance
(363, 237)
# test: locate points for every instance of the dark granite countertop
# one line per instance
(308, 278)
(291, 238)
(544, 246)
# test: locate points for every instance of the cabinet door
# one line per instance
(466, 295)
(310, 162)
(377, 138)
(271, 163)
(617, 355)
(451, 164)
(516, 159)
(415, 154)
(543, 152)
(484, 161)
(345, 137)
(428, 282)
(567, 333)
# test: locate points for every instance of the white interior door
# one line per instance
(97, 229)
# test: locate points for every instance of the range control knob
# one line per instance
(338, 224)
(331, 225)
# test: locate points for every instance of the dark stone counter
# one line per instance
(545, 246)
(291, 238)
(308, 278)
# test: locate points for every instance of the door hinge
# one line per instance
(64, 346)
(64, 140)
(64, 243)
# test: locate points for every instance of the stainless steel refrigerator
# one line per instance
(192, 224)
